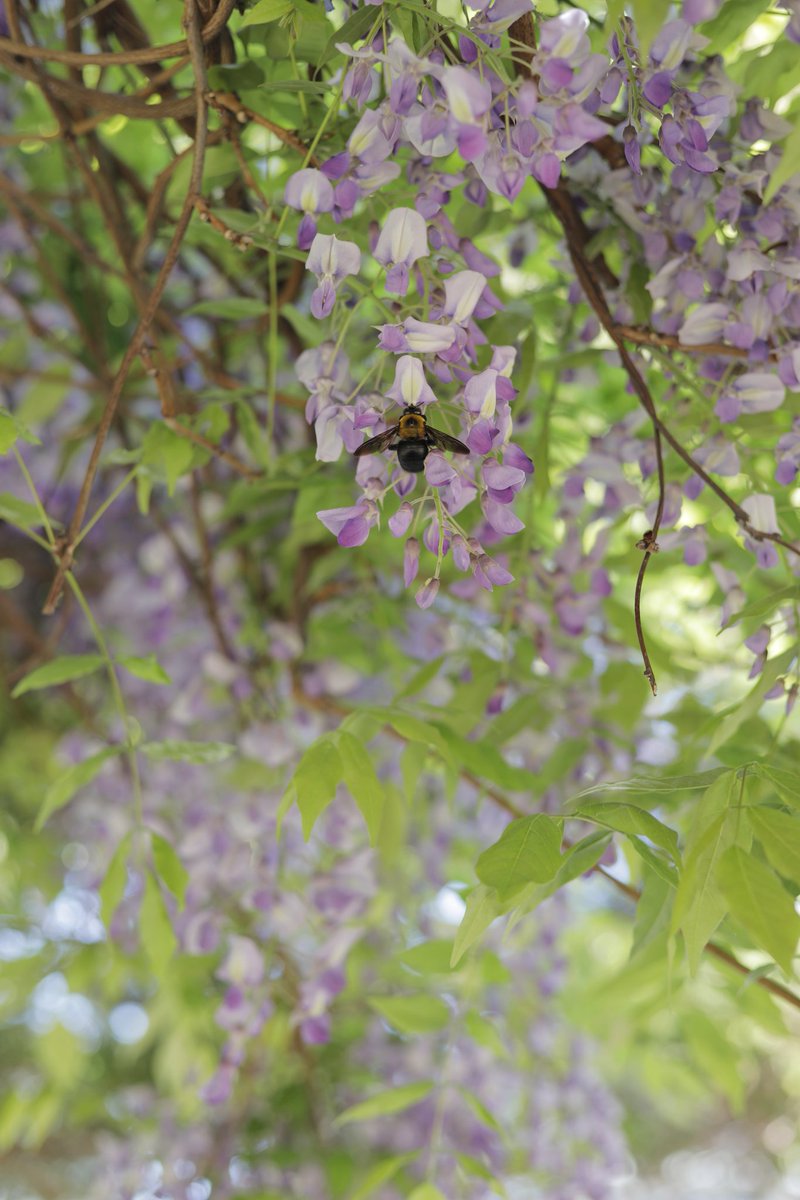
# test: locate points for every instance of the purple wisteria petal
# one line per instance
(462, 292)
(309, 191)
(427, 593)
(480, 393)
(460, 552)
(403, 238)
(333, 258)
(758, 391)
(354, 532)
(410, 385)
(244, 962)
(350, 526)
(500, 516)
(438, 471)
(410, 561)
(397, 279)
(494, 571)
(306, 232)
(704, 324)
(698, 11)
(760, 508)
(417, 337)
(513, 456)
(499, 477)
(400, 521)
(368, 141)
(481, 436)
(323, 299)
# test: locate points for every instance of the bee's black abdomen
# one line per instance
(411, 454)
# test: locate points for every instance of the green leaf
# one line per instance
(62, 789)
(12, 429)
(167, 453)
(112, 889)
(413, 1014)
(652, 910)
(730, 724)
(528, 851)
(650, 17)
(614, 10)
(235, 77)
(315, 781)
(654, 860)
(428, 958)
(59, 670)
(146, 667)
(716, 1056)
(425, 674)
(356, 27)
(483, 906)
(236, 308)
(760, 904)
(169, 867)
(386, 1103)
(779, 834)
(199, 753)
(627, 818)
(580, 858)
(480, 1109)
(426, 1191)
(764, 605)
(482, 1031)
(483, 759)
(788, 165)
(381, 1173)
(359, 775)
(62, 1057)
(414, 730)
(266, 11)
(699, 906)
(155, 928)
(733, 19)
(8, 431)
(786, 783)
(647, 785)
(11, 574)
(473, 1166)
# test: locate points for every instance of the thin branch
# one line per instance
(148, 54)
(138, 338)
(225, 456)
(226, 102)
(669, 341)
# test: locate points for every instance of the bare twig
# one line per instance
(669, 341)
(227, 102)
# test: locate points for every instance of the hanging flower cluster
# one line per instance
(494, 132)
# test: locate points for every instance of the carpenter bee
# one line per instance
(412, 437)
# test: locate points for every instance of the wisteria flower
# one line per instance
(350, 525)
(403, 239)
(310, 192)
(331, 260)
(410, 386)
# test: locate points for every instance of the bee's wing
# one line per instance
(445, 442)
(375, 444)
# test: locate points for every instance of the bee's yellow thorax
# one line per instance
(411, 426)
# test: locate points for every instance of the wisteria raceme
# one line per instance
(428, 110)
